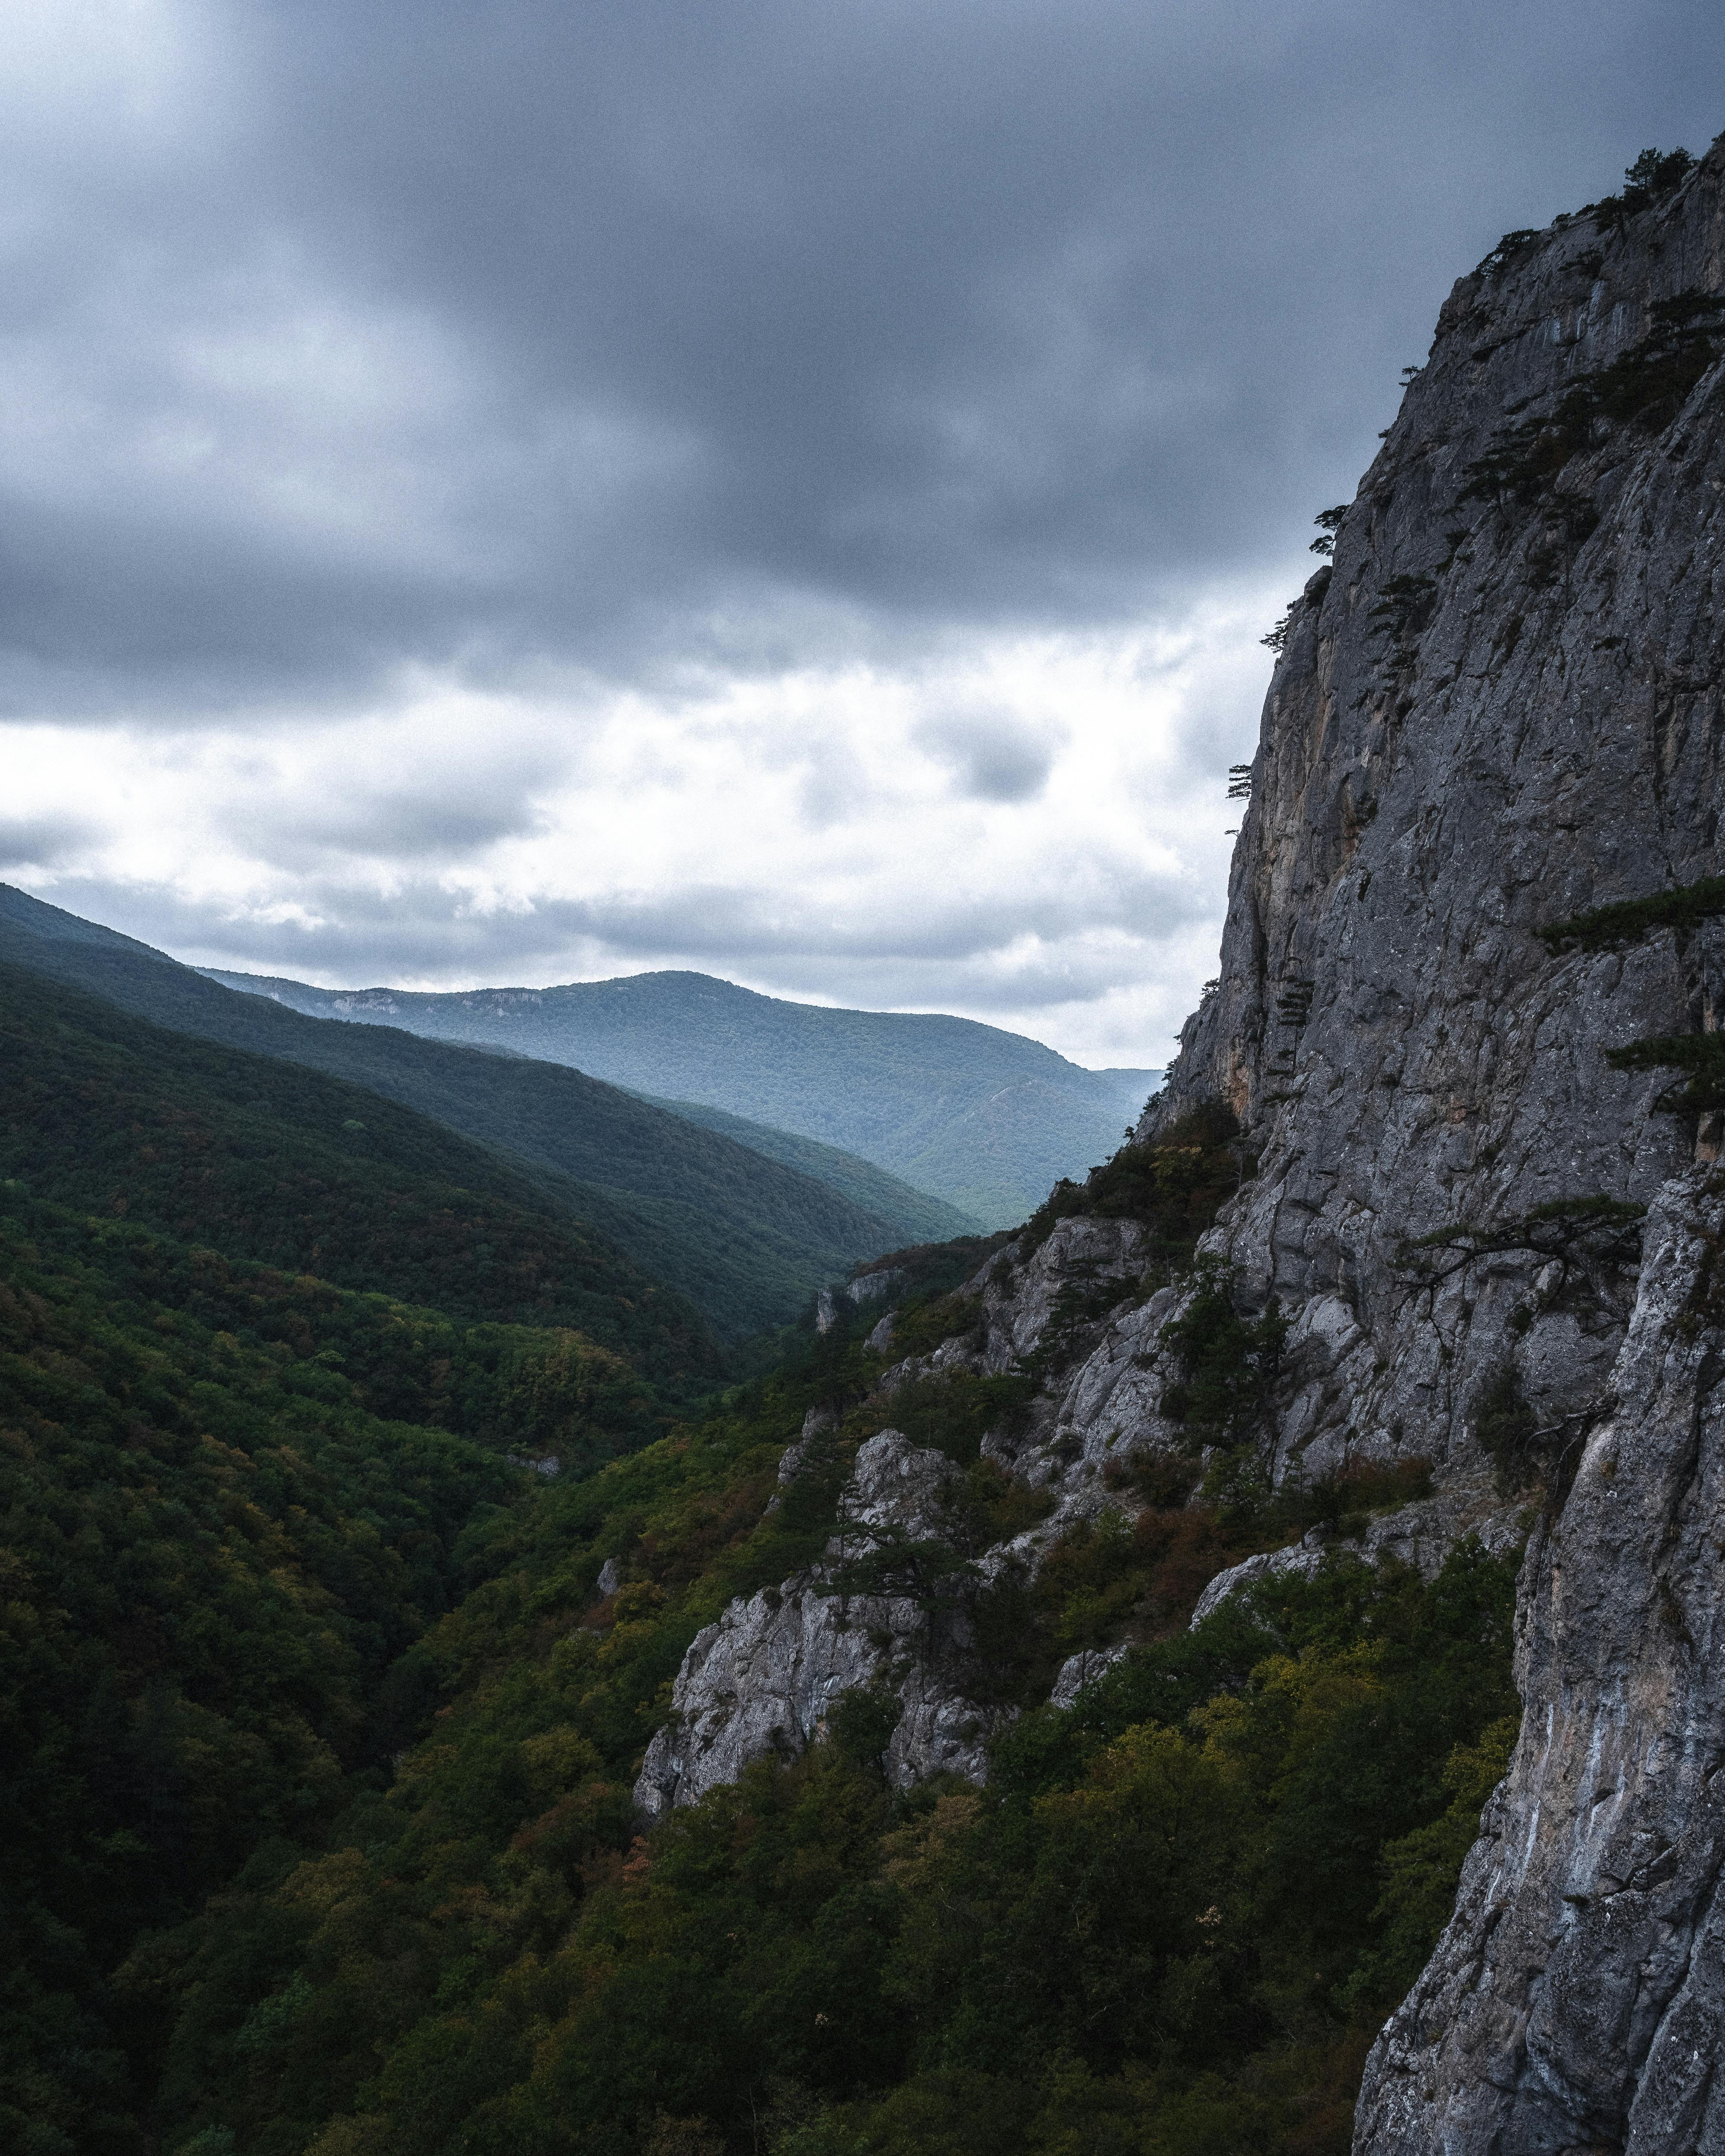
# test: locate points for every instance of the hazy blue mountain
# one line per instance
(987, 1120)
(746, 1236)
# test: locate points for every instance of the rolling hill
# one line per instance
(745, 1238)
(985, 1119)
(260, 1159)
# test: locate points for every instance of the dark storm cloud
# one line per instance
(606, 333)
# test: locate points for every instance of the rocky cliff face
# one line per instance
(1577, 2000)
(1494, 713)
(1499, 706)
(1489, 715)
(766, 1676)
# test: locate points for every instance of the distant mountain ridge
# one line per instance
(748, 1238)
(985, 1119)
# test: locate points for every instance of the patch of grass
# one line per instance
(921, 1326)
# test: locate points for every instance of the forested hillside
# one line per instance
(747, 1239)
(1169, 1922)
(918, 1216)
(985, 1119)
(330, 1714)
(261, 1158)
(231, 1497)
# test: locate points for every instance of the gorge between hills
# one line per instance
(1225, 1661)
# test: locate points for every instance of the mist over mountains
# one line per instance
(985, 1119)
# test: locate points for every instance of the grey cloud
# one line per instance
(974, 983)
(655, 345)
(993, 755)
(361, 936)
(356, 935)
(955, 312)
(719, 924)
(835, 785)
(42, 843)
(441, 814)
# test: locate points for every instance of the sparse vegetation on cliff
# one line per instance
(1173, 1182)
(1632, 920)
(1645, 387)
(1700, 1057)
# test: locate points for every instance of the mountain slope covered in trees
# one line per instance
(749, 1240)
(325, 1710)
(985, 1119)
(231, 1497)
(913, 1212)
(262, 1159)
(1171, 1920)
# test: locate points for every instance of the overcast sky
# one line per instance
(533, 491)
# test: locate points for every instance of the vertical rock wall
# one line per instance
(1491, 712)
(1481, 723)
(1577, 2000)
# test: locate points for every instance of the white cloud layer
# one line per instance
(1025, 829)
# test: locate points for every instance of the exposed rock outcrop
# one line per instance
(1577, 1999)
(1494, 713)
(1488, 716)
(1421, 1534)
(1500, 705)
(766, 1675)
(868, 1287)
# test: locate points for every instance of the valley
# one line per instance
(580, 1607)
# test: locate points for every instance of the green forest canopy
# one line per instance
(320, 1836)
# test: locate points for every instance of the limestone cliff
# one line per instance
(1499, 706)
(1502, 707)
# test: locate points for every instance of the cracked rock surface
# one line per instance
(1577, 2001)
(764, 1677)
(1491, 715)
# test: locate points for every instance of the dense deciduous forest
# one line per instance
(325, 1699)
(262, 1159)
